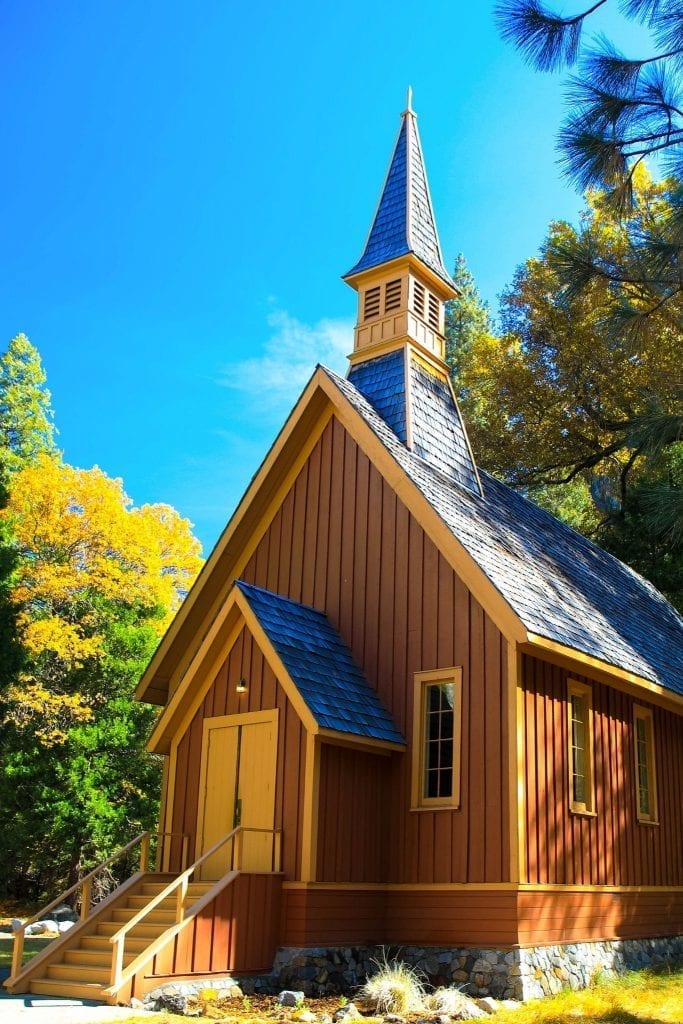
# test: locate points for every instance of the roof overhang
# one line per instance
(631, 682)
(444, 289)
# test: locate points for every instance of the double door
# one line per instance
(237, 787)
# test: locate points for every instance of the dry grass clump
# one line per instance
(450, 1001)
(395, 988)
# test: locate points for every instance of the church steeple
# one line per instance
(400, 277)
(398, 359)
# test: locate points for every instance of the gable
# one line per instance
(266, 497)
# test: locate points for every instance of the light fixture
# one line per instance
(241, 686)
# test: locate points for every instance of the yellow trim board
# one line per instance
(304, 426)
(213, 650)
(601, 670)
(520, 887)
(367, 743)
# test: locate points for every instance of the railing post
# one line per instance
(144, 852)
(181, 893)
(86, 898)
(18, 951)
(239, 838)
(116, 963)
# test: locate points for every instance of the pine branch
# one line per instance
(547, 41)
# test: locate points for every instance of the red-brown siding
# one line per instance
(237, 932)
(344, 543)
(582, 916)
(612, 847)
(439, 917)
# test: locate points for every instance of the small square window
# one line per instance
(436, 738)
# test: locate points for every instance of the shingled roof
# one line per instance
(400, 384)
(561, 585)
(321, 667)
(404, 220)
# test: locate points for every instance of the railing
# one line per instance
(183, 915)
(85, 884)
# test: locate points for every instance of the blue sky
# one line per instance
(182, 186)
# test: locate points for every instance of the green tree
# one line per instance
(622, 110)
(563, 408)
(26, 419)
(97, 581)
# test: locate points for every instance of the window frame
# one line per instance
(646, 716)
(422, 680)
(585, 693)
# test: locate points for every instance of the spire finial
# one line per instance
(409, 101)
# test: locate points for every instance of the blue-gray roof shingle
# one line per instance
(560, 585)
(321, 666)
(404, 221)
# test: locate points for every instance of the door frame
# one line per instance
(222, 722)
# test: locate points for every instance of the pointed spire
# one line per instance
(404, 220)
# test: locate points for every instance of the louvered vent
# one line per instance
(371, 306)
(434, 312)
(418, 299)
(392, 296)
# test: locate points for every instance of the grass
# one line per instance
(635, 998)
(33, 944)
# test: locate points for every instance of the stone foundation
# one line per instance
(520, 973)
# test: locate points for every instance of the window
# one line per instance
(646, 787)
(436, 738)
(580, 708)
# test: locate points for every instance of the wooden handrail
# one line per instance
(85, 883)
(180, 883)
(171, 932)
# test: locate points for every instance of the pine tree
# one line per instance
(26, 418)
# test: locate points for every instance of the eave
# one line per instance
(585, 664)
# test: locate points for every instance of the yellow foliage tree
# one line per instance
(85, 549)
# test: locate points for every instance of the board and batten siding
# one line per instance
(263, 693)
(610, 847)
(343, 542)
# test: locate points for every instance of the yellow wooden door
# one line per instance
(237, 787)
(256, 793)
(217, 802)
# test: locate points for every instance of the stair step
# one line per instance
(78, 974)
(140, 931)
(96, 957)
(138, 902)
(68, 990)
(163, 917)
(101, 943)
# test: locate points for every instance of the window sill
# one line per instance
(582, 814)
(648, 821)
(435, 807)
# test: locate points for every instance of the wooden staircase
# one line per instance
(83, 970)
(157, 926)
